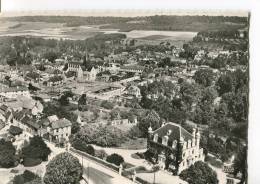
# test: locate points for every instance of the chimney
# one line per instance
(163, 123)
(198, 139)
(193, 132)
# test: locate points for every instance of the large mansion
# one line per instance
(88, 74)
(174, 148)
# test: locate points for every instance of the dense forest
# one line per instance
(172, 23)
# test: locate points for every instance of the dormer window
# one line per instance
(155, 138)
(174, 144)
(165, 140)
(185, 145)
(189, 143)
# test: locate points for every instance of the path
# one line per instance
(126, 154)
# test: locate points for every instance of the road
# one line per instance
(98, 174)
(95, 176)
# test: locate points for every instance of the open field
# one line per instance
(59, 30)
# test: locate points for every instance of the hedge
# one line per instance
(30, 162)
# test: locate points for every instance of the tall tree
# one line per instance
(204, 77)
(199, 173)
(37, 149)
(7, 154)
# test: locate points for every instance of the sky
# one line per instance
(123, 7)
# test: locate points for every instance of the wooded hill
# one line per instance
(172, 23)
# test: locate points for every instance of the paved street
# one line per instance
(98, 174)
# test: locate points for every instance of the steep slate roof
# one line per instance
(14, 89)
(176, 132)
(61, 123)
(29, 122)
(133, 67)
(20, 114)
(3, 107)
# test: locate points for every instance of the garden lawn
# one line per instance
(134, 144)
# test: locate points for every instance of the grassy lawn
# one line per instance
(134, 144)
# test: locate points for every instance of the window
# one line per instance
(165, 140)
(155, 138)
(174, 144)
(159, 140)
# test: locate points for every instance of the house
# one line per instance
(132, 69)
(83, 73)
(5, 114)
(56, 80)
(91, 74)
(174, 148)
(134, 91)
(25, 121)
(33, 105)
(60, 130)
(13, 92)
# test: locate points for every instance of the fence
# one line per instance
(98, 160)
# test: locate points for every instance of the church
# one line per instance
(174, 148)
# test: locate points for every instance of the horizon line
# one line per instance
(126, 13)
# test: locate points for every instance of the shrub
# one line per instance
(30, 162)
(26, 177)
(138, 155)
(90, 150)
(115, 159)
(107, 105)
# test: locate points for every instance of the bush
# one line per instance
(107, 105)
(26, 177)
(82, 146)
(138, 155)
(115, 159)
(90, 150)
(30, 162)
